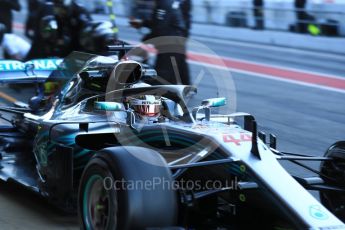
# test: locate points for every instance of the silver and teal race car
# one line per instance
(97, 140)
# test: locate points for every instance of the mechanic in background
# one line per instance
(42, 31)
(6, 7)
(186, 7)
(32, 19)
(301, 16)
(72, 18)
(258, 14)
(170, 18)
(59, 26)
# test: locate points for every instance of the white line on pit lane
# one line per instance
(269, 77)
(324, 75)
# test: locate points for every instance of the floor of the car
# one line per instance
(15, 167)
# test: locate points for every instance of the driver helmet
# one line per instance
(146, 106)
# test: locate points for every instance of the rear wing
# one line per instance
(34, 71)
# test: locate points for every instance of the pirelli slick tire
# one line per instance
(119, 190)
(334, 173)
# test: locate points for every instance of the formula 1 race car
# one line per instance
(127, 155)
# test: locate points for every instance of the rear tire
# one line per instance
(334, 174)
(106, 201)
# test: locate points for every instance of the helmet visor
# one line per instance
(150, 106)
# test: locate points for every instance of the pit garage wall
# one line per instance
(279, 14)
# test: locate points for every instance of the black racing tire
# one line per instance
(117, 205)
(334, 173)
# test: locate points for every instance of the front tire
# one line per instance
(334, 174)
(98, 205)
(106, 203)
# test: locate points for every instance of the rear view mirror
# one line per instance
(214, 102)
(128, 72)
(108, 106)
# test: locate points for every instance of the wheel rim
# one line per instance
(96, 204)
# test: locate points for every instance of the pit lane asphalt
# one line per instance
(305, 119)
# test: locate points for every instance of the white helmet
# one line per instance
(146, 106)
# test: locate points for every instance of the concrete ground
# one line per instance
(23, 210)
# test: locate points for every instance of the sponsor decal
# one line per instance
(317, 212)
(237, 138)
(38, 64)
